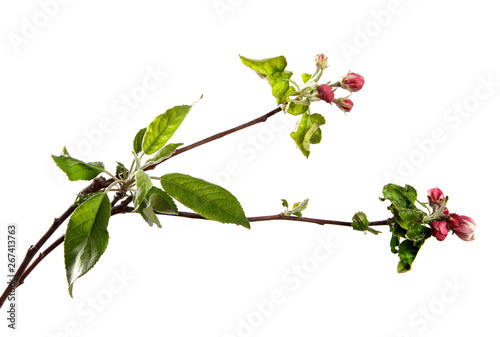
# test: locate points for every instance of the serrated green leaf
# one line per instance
(164, 153)
(210, 201)
(86, 237)
(144, 184)
(360, 222)
(139, 137)
(76, 169)
(161, 201)
(307, 131)
(418, 232)
(146, 211)
(306, 77)
(403, 204)
(272, 69)
(400, 196)
(294, 108)
(163, 127)
(408, 251)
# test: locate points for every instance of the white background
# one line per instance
(423, 61)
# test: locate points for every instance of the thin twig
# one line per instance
(96, 185)
(257, 120)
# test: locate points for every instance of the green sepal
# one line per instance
(76, 169)
(273, 70)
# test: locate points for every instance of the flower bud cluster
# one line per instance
(463, 226)
(351, 82)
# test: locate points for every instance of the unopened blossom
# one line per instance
(344, 104)
(321, 61)
(439, 230)
(463, 226)
(352, 82)
(435, 197)
(325, 93)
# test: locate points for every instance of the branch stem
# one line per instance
(183, 149)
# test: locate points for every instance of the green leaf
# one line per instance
(272, 69)
(161, 201)
(139, 137)
(76, 169)
(306, 77)
(403, 197)
(163, 127)
(81, 198)
(210, 201)
(86, 237)
(294, 108)
(360, 222)
(284, 203)
(144, 184)
(397, 230)
(394, 244)
(308, 132)
(403, 204)
(407, 253)
(146, 211)
(121, 170)
(164, 153)
(418, 232)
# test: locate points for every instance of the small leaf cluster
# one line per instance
(87, 235)
(360, 223)
(408, 225)
(297, 207)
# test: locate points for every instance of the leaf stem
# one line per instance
(110, 174)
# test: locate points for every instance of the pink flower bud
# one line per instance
(439, 230)
(463, 226)
(321, 61)
(435, 197)
(344, 104)
(325, 93)
(352, 82)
